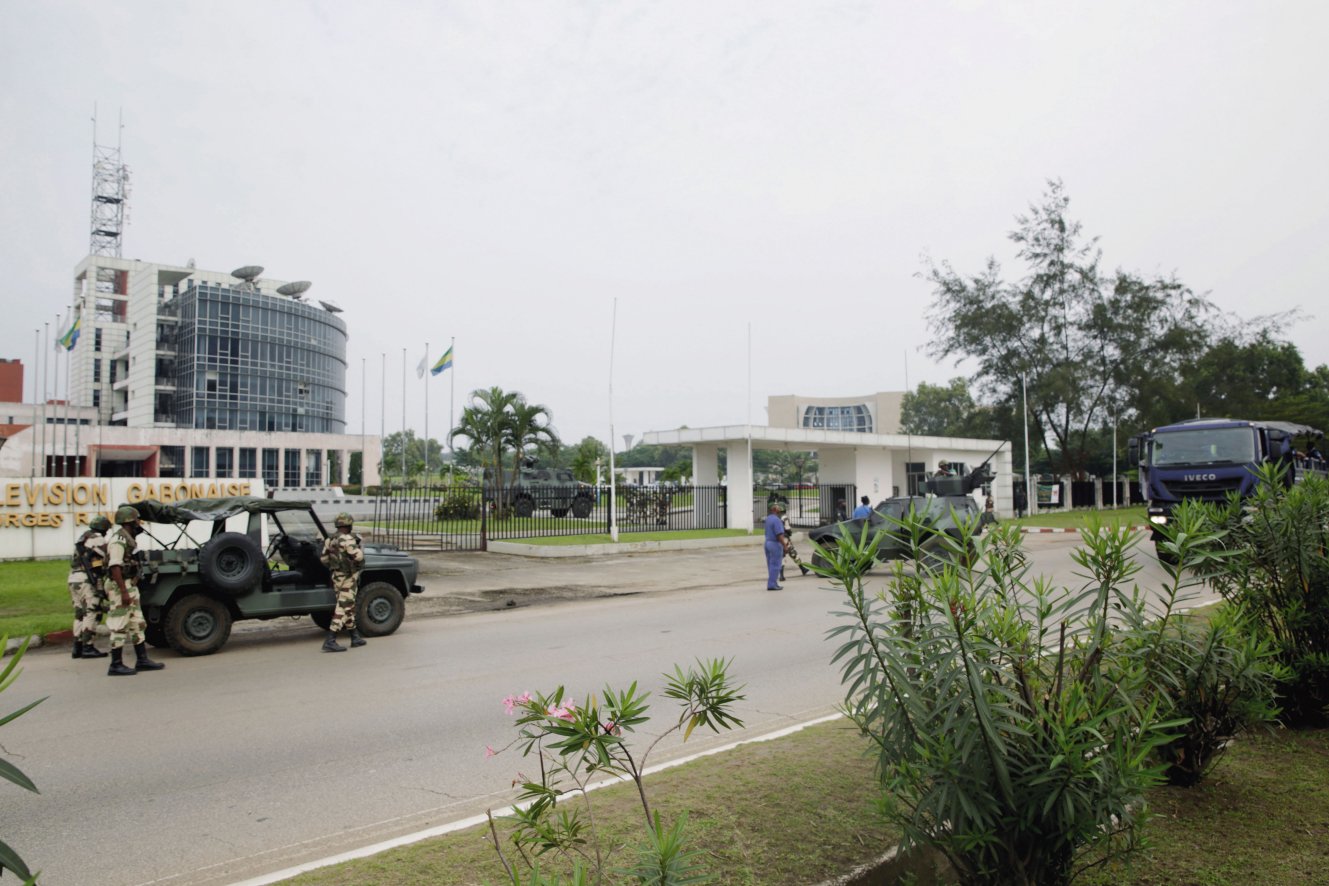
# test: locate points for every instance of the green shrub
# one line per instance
(1276, 569)
(576, 743)
(1220, 675)
(457, 506)
(9, 859)
(1013, 728)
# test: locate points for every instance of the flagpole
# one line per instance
(452, 397)
(364, 397)
(403, 417)
(46, 374)
(36, 362)
(613, 492)
(64, 446)
(426, 380)
(55, 388)
(383, 416)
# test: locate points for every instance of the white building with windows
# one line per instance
(859, 449)
(194, 374)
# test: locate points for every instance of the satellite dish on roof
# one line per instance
(248, 272)
(330, 306)
(295, 288)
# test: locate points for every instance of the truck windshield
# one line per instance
(1203, 446)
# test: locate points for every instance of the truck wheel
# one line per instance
(197, 625)
(379, 609)
(231, 563)
(559, 512)
(524, 507)
(581, 508)
(322, 619)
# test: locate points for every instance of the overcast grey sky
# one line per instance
(500, 172)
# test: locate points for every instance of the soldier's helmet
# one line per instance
(99, 523)
(343, 519)
(943, 465)
(126, 514)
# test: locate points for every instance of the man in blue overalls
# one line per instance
(776, 543)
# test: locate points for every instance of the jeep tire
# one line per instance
(379, 609)
(581, 508)
(197, 624)
(231, 563)
(524, 507)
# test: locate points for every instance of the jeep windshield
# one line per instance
(1204, 446)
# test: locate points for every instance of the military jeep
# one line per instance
(245, 557)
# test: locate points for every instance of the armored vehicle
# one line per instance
(545, 489)
(245, 557)
(948, 505)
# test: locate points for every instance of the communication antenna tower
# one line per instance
(110, 193)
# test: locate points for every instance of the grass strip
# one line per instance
(34, 597)
(801, 809)
(1082, 517)
(794, 810)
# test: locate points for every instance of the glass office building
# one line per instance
(247, 361)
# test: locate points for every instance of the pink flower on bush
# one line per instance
(490, 752)
(510, 703)
(562, 712)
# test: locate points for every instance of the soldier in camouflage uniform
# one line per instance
(790, 551)
(125, 617)
(345, 557)
(86, 570)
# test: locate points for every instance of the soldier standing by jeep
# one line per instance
(345, 557)
(125, 617)
(86, 570)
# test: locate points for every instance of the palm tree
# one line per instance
(529, 428)
(485, 422)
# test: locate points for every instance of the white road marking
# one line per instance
(474, 820)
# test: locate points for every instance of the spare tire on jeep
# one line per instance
(231, 562)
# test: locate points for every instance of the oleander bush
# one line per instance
(1015, 724)
(1275, 568)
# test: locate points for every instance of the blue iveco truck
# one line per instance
(1205, 459)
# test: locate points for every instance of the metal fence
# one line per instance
(807, 504)
(467, 518)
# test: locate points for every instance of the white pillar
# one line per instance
(738, 468)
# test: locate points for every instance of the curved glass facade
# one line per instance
(856, 418)
(252, 362)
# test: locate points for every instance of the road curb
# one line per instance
(1041, 529)
(521, 549)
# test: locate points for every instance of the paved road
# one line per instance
(270, 753)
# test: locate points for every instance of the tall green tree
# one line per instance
(532, 433)
(1089, 343)
(584, 458)
(484, 423)
(947, 410)
(503, 429)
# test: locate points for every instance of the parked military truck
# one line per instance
(1208, 459)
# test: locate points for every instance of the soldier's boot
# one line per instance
(91, 651)
(331, 644)
(356, 639)
(144, 663)
(78, 649)
(117, 668)
(804, 567)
